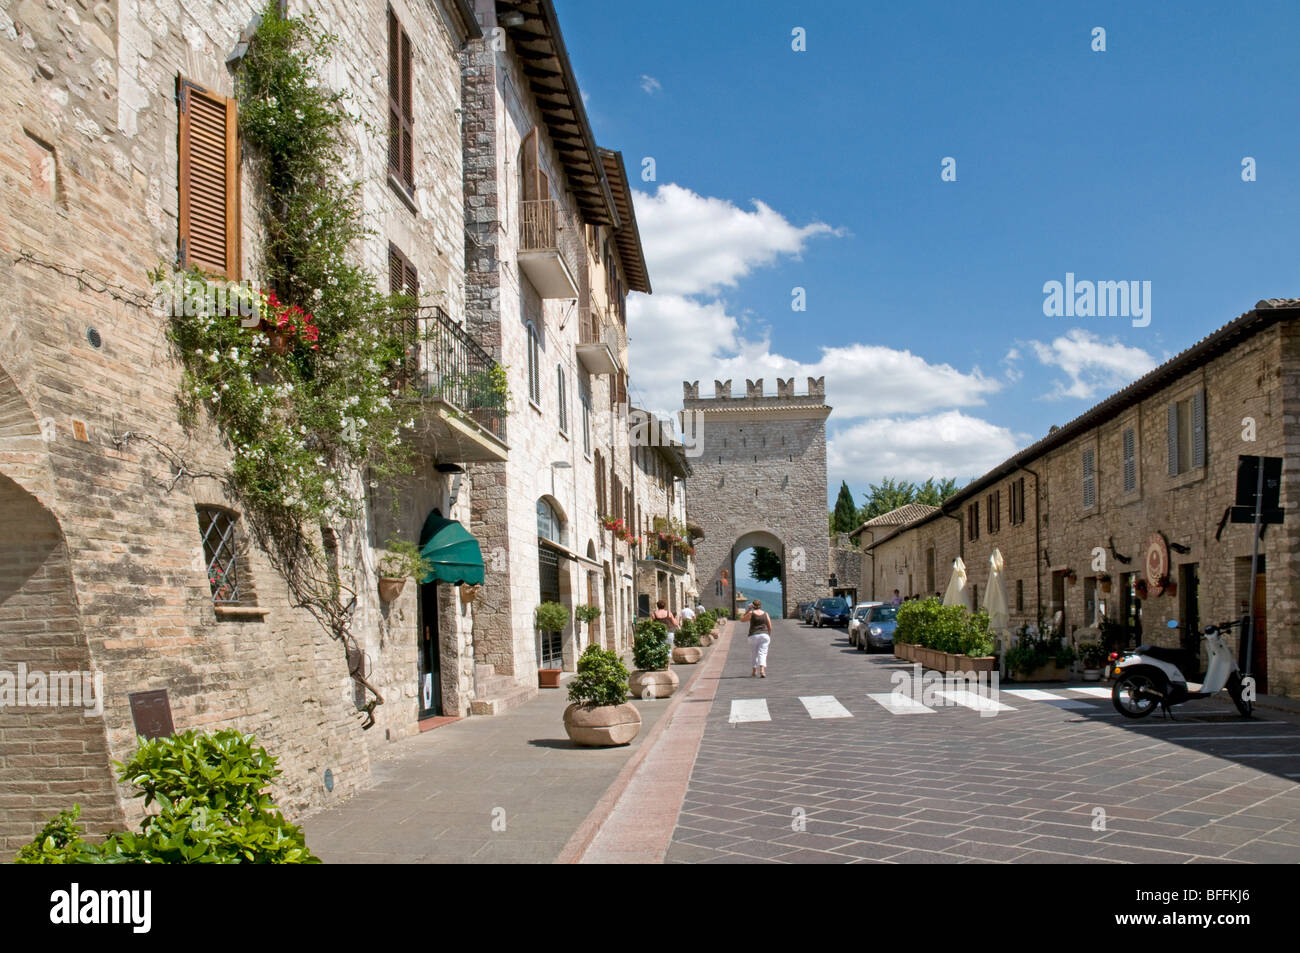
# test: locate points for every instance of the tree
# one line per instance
(764, 564)
(933, 493)
(890, 494)
(844, 519)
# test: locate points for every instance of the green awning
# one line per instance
(453, 551)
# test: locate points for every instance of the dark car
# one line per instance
(833, 611)
(804, 611)
(877, 629)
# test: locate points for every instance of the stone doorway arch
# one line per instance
(767, 540)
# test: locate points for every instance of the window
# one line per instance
(1186, 434)
(549, 525)
(403, 279)
(534, 377)
(563, 393)
(1089, 478)
(994, 504)
(1020, 595)
(973, 521)
(401, 114)
(222, 552)
(584, 395)
(929, 570)
(1016, 491)
(208, 216)
(1130, 460)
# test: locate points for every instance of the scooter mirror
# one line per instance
(1172, 623)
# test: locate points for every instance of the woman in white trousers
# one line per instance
(760, 636)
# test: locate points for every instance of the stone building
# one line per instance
(879, 580)
(760, 480)
(1137, 488)
(665, 564)
(552, 253)
(111, 114)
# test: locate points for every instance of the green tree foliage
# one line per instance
(844, 518)
(650, 651)
(764, 564)
(890, 494)
(601, 679)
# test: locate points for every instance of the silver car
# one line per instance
(876, 631)
(858, 618)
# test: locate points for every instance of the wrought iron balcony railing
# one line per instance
(441, 360)
(538, 221)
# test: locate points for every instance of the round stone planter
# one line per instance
(652, 684)
(687, 656)
(606, 726)
(706, 641)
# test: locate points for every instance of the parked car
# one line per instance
(804, 611)
(833, 611)
(859, 616)
(877, 628)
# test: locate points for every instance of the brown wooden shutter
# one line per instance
(209, 182)
(403, 279)
(401, 113)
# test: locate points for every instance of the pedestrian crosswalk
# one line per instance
(899, 703)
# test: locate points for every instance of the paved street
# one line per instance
(869, 779)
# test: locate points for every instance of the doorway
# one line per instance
(430, 657)
(1259, 646)
(1189, 598)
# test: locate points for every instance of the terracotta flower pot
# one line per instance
(390, 587)
(549, 677)
(605, 726)
(646, 685)
(687, 656)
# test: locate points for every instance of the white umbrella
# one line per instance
(995, 596)
(956, 585)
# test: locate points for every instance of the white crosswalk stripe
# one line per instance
(974, 700)
(1038, 695)
(1094, 691)
(899, 704)
(749, 709)
(824, 706)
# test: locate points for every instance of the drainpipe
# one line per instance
(1038, 546)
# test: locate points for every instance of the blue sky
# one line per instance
(820, 169)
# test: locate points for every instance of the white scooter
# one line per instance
(1148, 676)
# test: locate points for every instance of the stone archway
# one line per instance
(767, 540)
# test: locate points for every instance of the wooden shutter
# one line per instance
(1089, 479)
(209, 182)
(1198, 428)
(401, 113)
(1173, 439)
(403, 279)
(1130, 460)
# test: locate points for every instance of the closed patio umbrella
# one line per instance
(995, 596)
(955, 596)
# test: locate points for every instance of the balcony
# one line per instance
(459, 383)
(541, 223)
(600, 345)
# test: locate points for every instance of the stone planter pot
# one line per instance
(977, 663)
(706, 640)
(1092, 675)
(652, 684)
(687, 656)
(606, 726)
(549, 677)
(390, 587)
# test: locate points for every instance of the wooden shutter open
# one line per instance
(401, 113)
(1130, 460)
(1198, 428)
(208, 216)
(1089, 479)
(1172, 419)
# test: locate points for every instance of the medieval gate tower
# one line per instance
(760, 480)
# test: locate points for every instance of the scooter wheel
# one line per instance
(1244, 705)
(1131, 695)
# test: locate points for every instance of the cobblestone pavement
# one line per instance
(838, 777)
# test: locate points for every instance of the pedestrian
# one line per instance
(760, 636)
(897, 600)
(662, 614)
(688, 614)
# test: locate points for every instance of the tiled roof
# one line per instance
(899, 515)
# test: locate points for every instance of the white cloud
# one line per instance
(695, 245)
(1093, 365)
(948, 444)
(650, 84)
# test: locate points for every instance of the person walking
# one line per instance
(662, 614)
(897, 600)
(760, 636)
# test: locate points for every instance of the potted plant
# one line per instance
(652, 677)
(1071, 576)
(403, 559)
(599, 715)
(1103, 580)
(1093, 656)
(587, 614)
(686, 650)
(550, 617)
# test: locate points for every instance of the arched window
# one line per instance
(549, 525)
(562, 391)
(534, 377)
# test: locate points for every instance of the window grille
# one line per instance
(218, 529)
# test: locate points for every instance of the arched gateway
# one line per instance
(759, 479)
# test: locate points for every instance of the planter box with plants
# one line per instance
(652, 677)
(550, 618)
(599, 715)
(404, 560)
(1039, 655)
(686, 650)
(944, 638)
(1093, 657)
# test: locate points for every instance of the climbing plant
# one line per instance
(310, 395)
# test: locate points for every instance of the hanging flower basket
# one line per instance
(390, 587)
(469, 593)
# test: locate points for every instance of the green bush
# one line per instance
(650, 651)
(1092, 653)
(213, 809)
(551, 617)
(601, 679)
(688, 634)
(953, 629)
(587, 614)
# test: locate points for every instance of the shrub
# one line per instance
(587, 614)
(404, 559)
(601, 679)
(551, 617)
(1092, 653)
(650, 651)
(952, 629)
(688, 633)
(210, 789)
